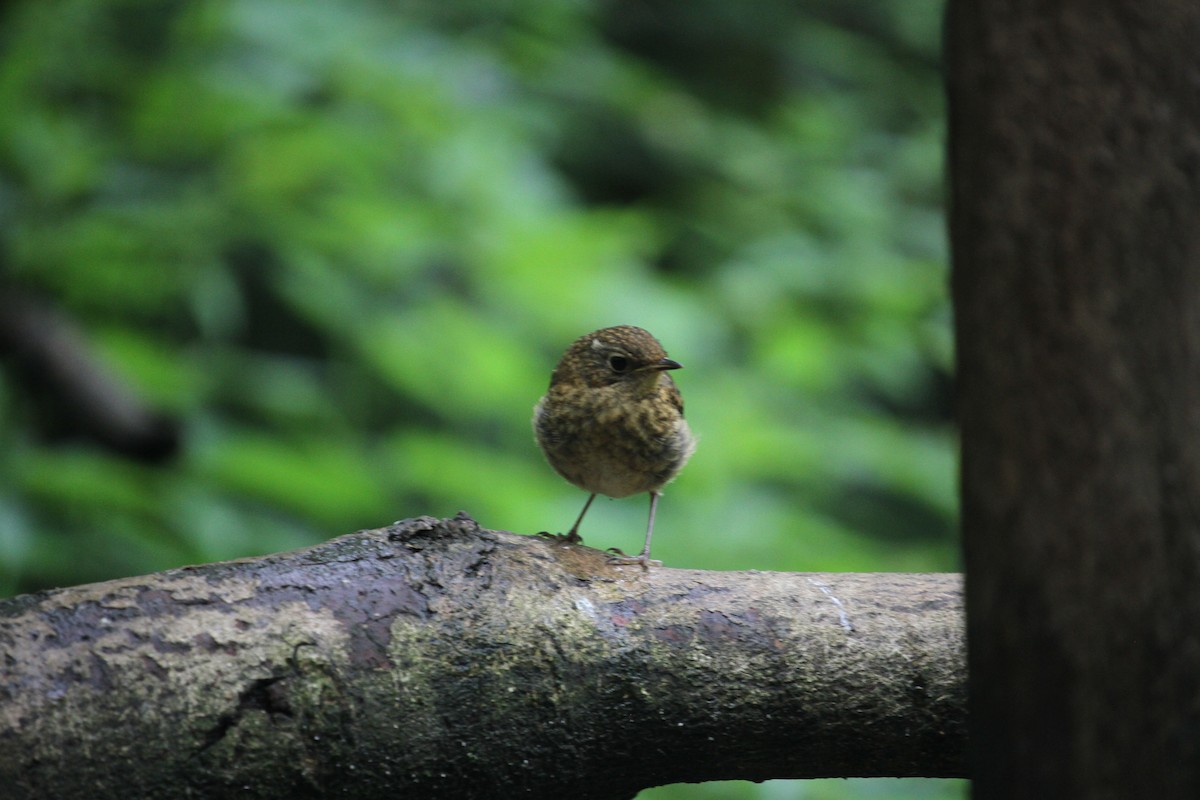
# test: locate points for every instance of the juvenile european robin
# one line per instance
(612, 422)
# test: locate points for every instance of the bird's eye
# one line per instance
(618, 363)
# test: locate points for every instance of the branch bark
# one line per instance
(442, 659)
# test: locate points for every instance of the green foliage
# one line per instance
(345, 243)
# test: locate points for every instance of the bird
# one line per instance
(612, 423)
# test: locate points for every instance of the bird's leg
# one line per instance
(572, 536)
(643, 557)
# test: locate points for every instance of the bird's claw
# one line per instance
(565, 538)
(620, 559)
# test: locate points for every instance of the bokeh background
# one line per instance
(337, 247)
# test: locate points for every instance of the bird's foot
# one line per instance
(644, 559)
(571, 537)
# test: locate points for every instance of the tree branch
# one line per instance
(72, 390)
(443, 660)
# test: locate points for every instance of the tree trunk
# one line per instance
(436, 659)
(1075, 175)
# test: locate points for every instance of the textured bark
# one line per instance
(1075, 174)
(436, 659)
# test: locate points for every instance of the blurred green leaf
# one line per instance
(344, 244)
(312, 476)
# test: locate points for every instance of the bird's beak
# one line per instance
(666, 363)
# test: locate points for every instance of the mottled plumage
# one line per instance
(612, 421)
